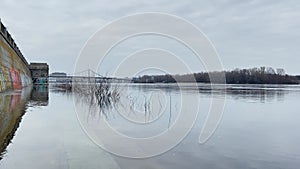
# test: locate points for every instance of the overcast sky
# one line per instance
(246, 33)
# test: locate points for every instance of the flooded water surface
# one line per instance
(51, 128)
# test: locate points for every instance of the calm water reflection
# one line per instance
(260, 127)
(13, 106)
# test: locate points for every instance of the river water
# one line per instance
(52, 128)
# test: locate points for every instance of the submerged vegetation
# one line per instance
(100, 97)
(262, 75)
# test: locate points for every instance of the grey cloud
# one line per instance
(246, 33)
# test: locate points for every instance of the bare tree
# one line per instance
(280, 71)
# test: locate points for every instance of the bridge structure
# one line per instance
(86, 76)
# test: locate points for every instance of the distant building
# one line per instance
(59, 77)
(39, 73)
(58, 74)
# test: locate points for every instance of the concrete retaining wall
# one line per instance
(14, 70)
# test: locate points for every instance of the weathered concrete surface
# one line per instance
(14, 70)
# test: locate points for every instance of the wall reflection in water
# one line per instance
(13, 106)
(39, 96)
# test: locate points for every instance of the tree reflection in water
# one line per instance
(106, 99)
(100, 97)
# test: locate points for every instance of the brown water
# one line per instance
(39, 128)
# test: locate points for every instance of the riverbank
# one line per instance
(262, 75)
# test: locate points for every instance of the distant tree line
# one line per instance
(262, 75)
